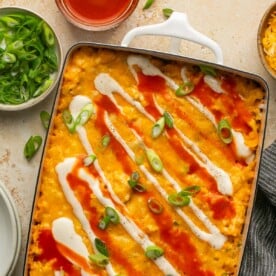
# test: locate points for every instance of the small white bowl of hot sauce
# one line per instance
(96, 15)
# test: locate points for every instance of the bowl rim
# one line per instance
(96, 27)
(34, 101)
(260, 33)
(11, 214)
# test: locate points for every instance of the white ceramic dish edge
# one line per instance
(10, 232)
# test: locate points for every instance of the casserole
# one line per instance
(150, 166)
(189, 156)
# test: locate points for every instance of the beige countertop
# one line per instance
(233, 24)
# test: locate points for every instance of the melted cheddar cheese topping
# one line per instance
(129, 94)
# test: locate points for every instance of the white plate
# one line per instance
(10, 232)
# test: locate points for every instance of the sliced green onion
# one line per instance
(133, 181)
(9, 21)
(139, 188)
(154, 160)
(85, 114)
(8, 58)
(148, 4)
(184, 193)
(155, 206)
(184, 89)
(99, 259)
(28, 62)
(101, 247)
(44, 86)
(104, 222)
(89, 160)
(48, 35)
(105, 140)
(225, 131)
(153, 252)
(158, 127)
(207, 70)
(135, 176)
(178, 200)
(68, 120)
(167, 12)
(32, 146)
(192, 189)
(45, 118)
(168, 119)
(112, 214)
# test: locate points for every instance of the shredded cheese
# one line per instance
(269, 41)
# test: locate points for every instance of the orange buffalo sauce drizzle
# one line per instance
(178, 246)
(105, 104)
(188, 260)
(222, 208)
(77, 184)
(50, 252)
(146, 86)
(230, 103)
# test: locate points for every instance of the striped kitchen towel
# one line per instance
(260, 251)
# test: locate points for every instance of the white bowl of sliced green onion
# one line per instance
(30, 58)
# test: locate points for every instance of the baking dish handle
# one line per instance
(177, 26)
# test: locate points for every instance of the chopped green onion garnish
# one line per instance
(112, 214)
(89, 160)
(178, 200)
(8, 58)
(154, 160)
(148, 4)
(105, 140)
(155, 206)
(101, 247)
(153, 252)
(184, 193)
(68, 120)
(139, 188)
(168, 119)
(28, 57)
(85, 114)
(48, 35)
(207, 70)
(45, 119)
(167, 12)
(44, 86)
(9, 21)
(133, 181)
(135, 176)
(158, 127)
(184, 89)
(225, 131)
(104, 222)
(99, 259)
(192, 189)
(32, 146)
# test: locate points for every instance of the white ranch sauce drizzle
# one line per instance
(106, 85)
(63, 169)
(149, 69)
(70, 239)
(75, 107)
(215, 238)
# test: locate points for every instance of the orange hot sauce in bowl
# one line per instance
(96, 15)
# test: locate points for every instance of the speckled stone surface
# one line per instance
(233, 24)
